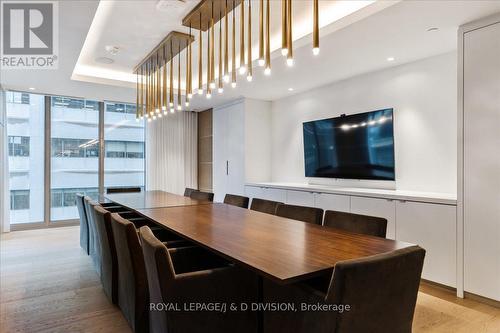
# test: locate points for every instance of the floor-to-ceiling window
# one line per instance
(73, 148)
(74, 152)
(123, 147)
(25, 130)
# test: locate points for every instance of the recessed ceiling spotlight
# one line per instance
(104, 60)
(391, 59)
(169, 5)
(31, 88)
(111, 49)
(432, 29)
(290, 89)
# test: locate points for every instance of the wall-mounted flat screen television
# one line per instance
(359, 146)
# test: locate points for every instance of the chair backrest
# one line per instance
(159, 267)
(236, 200)
(133, 295)
(188, 191)
(381, 291)
(202, 196)
(301, 213)
(109, 263)
(265, 206)
(111, 190)
(361, 224)
(94, 244)
(84, 224)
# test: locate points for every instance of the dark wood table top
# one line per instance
(282, 249)
(152, 199)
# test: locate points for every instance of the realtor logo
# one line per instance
(29, 38)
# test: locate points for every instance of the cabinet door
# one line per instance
(235, 143)
(253, 192)
(432, 227)
(385, 208)
(327, 201)
(300, 198)
(219, 154)
(274, 194)
(481, 205)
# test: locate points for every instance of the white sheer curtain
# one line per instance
(4, 167)
(172, 152)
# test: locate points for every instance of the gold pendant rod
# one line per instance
(233, 50)
(249, 47)
(261, 32)
(242, 38)
(268, 40)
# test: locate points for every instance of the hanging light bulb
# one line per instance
(289, 62)
(242, 70)
(226, 78)
(154, 117)
(172, 110)
(190, 95)
(149, 120)
(249, 78)
(220, 90)
(159, 115)
(212, 85)
(233, 84)
(209, 95)
(267, 71)
(200, 91)
(186, 103)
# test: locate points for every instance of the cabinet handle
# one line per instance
(227, 168)
(402, 201)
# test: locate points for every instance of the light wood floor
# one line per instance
(48, 284)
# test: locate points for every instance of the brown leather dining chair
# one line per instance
(194, 275)
(133, 294)
(265, 206)
(132, 287)
(109, 263)
(108, 260)
(188, 191)
(84, 224)
(380, 290)
(202, 196)
(300, 213)
(361, 224)
(236, 200)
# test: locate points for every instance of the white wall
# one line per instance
(423, 95)
(257, 137)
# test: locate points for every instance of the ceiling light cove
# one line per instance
(148, 22)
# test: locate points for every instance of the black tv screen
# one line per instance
(359, 146)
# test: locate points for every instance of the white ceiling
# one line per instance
(350, 45)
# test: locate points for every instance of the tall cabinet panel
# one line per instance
(229, 151)
(481, 158)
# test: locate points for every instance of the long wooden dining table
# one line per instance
(281, 249)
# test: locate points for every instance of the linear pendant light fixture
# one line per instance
(155, 73)
(249, 47)
(315, 49)
(262, 61)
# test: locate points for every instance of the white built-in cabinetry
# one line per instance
(479, 155)
(428, 222)
(241, 149)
